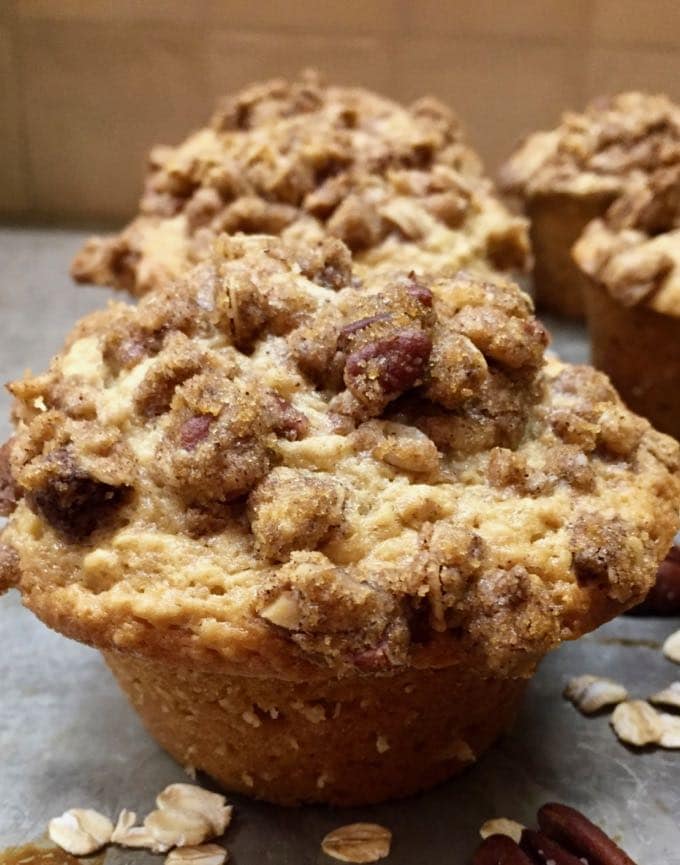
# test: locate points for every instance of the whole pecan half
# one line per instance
(577, 834)
(566, 837)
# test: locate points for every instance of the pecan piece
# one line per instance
(283, 418)
(500, 850)
(194, 430)
(570, 829)
(380, 370)
(544, 850)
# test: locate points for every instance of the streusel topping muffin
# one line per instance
(631, 259)
(570, 175)
(275, 471)
(600, 149)
(304, 161)
(634, 250)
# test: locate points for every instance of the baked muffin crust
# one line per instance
(192, 485)
(304, 161)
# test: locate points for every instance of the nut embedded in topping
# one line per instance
(194, 430)
(215, 445)
(379, 371)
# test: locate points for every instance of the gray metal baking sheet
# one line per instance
(68, 737)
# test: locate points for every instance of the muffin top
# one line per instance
(305, 161)
(597, 152)
(634, 251)
(274, 465)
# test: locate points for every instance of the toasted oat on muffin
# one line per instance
(304, 161)
(323, 524)
(631, 261)
(570, 175)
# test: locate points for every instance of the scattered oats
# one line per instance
(128, 835)
(502, 826)
(670, 737)
(358, 842)
(190, 772)
(247, 779)
(382, 744)
(409, 689)
(80, 831)
(204, 854)
(591, 693)
(273, 713)
(321, 780)
(190, 799)
(638, 723)
(671, 648)
(251, 718)
(170, 828)
(669, 696)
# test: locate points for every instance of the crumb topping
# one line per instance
(278, 464)
(634, 250)
(304, 161)
(598, 151)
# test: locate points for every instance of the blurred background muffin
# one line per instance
(570, 175)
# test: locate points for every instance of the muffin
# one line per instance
(631, 260)
(305, 161)
(324, 527)
(570, 175)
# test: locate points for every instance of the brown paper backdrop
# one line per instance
(86, 86)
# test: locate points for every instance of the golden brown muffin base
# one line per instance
(639, 349)
(556, 222)
(345, 741)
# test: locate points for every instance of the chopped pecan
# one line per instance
(378, 371)
(214, 448)
(283, 418)
(388, 343)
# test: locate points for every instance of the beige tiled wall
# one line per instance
(86, 86)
